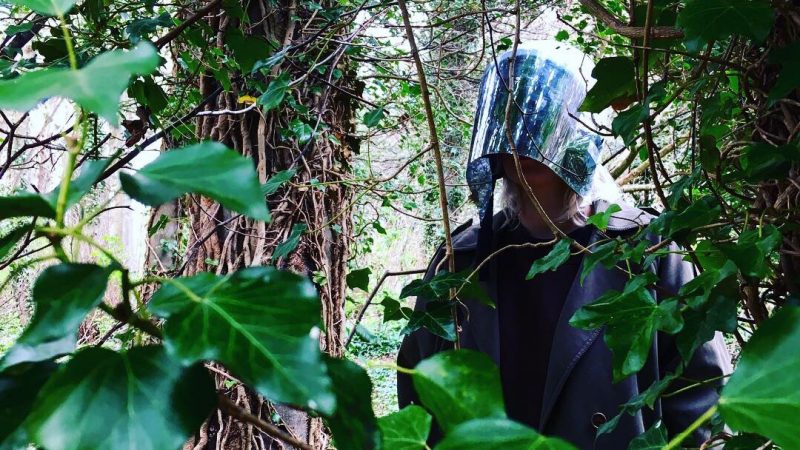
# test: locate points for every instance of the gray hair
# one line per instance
(512, 196)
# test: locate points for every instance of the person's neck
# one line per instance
(552, 202)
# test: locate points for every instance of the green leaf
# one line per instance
(394, 310)
(436, 318)
(762, 396)
(438, 287)
(276, 181)
(552, 260)
(600, 220)
(615, 80)
(19, 386)
(284, 248)
(459, 385)
(604, 254)
(373, 118)
(106, 400)
(710, 20)
(259, 322)
(406, 429)
(713, 311)
(498, 434)
(653, 439)
(628, 123)
(81, 185)
(9, 241)
(353, 425)
(63, 295)
(96, 87)
(247, 50)
(275, 92)
(631, 318)
(207, 168)
(139, 28)
(751, 252)
(25, 205)
(301, 130)
(47, 7)
(562, 35)
(359, 279)
(761, 161)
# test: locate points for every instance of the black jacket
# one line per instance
(579, 393)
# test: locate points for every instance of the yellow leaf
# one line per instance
(247, 99)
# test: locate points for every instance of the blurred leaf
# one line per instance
(247, 50)
(761, 161)
(789, 78)
(615, 80)
(631, 318)
(149, 94)
(498, 434)
(64, 294)
(751, 252)
(557, 256)
(19, 386)
(406, 429)
(628, 123)
(140, 28)
(458, 386)
(47, 7)
(373, 118)
(353, 424)
(261, 323)
(96, 87)
(207, 168)
(291, 243)
(715, 20)
(762, 396)
(105, 400)
(9, 241)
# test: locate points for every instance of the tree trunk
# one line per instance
(221, 242)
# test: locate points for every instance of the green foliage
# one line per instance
(260, 322)
(761, 395)
(63, 295)
(19, 386)
(48, 7)
(353, 424)
(96, 87)
(359, 279)
(103, 399)
(708, 20)
(551, 261)
(458, 386)
(498, 434)
(653, 439)
(406, 429)
(208, 168)
(615, 81)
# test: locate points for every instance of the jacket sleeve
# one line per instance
(710, 361)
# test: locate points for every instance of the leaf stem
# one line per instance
(676, 441)
(73, 60)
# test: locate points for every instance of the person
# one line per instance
(555, 378)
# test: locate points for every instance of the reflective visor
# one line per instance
(548, 87)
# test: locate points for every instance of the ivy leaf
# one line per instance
(353, 424)
(498, 434)
(628, 122)
(47, 7)
(710, 20)
(631, 318)
(646, 398)
(373, 118)
(207, 168)
(552, 260)
(81, 185)
(601, 254)
(19, 386)
(359, 279)
(751, 252)
(438, 287)
(459, 385)
(275, 92)
(394, 310)
(762, 396)
(406, 429)
(25, 205)
(714, 311)
(653, 439)
(600, 220)
(63, 295)
(301, 130)
(761, 161)
(259, 322)
(276, 181)
(96, 87)
(105, 400)
(288, 246)
(436, 318)
(615, 80)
